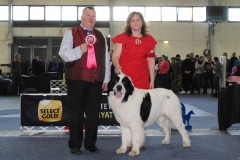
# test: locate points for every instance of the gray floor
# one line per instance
(207, 141)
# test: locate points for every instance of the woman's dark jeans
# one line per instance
(200, 82)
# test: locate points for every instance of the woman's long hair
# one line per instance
(127, 28)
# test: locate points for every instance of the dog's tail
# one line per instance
(175, 103)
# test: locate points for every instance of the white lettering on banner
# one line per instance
(105, 106)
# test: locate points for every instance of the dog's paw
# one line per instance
(186, 144)
(134, 153)
(143, 147)
(120, 151)
(165, 142)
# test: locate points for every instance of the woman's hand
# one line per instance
(118, 69)
(151, 85)
(116, 56)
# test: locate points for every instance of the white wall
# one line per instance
(183, 37)
(227, 38)
(4, 48)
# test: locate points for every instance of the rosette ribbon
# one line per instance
(91, 58)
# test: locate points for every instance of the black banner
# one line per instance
(52, 110)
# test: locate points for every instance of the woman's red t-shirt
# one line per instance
(133, 59)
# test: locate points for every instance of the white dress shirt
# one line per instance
(69, 54)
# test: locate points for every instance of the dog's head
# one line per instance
(121, 86)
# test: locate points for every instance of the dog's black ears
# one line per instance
(112, 82)
(128, 87)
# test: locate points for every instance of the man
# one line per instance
(193, 81)
(178, 58)
(231, 62)
(186, 73)
(112, 66)
(62, 67)
(37, 66)
(177, 81)
(227, 64)
(16, 66)
(225, 54)
(54, 65)
(85, 80)
(170, 74)
(197, 57)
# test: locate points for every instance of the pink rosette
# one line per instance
(91, 59)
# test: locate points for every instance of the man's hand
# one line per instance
(105, 87)
(84, 47)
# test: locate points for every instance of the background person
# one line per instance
(37, 66)
(200, 74)
(157, 83)
(62, 67)
(178, 58)
(186, 73)
(171, 74)
(227, 64)
(164, 67)
(16, 67)
(54, 65)
(193, 80)
(134, 52)
(196, 57)
(218, 73)
(225, 54)
(0, 69)
(177, 81)
(85, 83)
(112, 66)
(208, 66)
(231, 63)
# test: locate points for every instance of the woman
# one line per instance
(162, 75)
(218, 72)
(209, 72)
(16, 66)
(200, 73)
(134, 53)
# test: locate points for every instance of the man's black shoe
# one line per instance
(93, 149)
(75, 150)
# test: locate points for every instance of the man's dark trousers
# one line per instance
(83, 96)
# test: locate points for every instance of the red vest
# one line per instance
(77, 70)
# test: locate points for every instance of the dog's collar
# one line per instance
(120, 71)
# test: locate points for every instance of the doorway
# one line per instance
(27, 55)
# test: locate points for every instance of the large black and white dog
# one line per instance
(136, 109)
